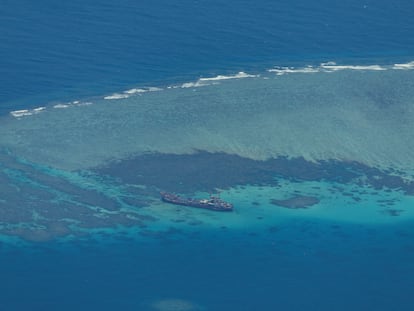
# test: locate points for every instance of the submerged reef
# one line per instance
(39, 203)
(205, 171)
(174, 305)
(296, 202)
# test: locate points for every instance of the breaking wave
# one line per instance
(206, 81)
(349, 112)
(332, 66)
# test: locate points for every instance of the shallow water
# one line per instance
(316, 161)
(97, 118)
(349, 115)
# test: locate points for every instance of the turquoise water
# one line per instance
(316, 160)
(300, 115)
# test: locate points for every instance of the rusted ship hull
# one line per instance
(212, 203)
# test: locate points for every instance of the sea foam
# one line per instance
(214, 80)
(406, 66)
(27, 112)
(355, 113)
(332, 66)
(349, 114)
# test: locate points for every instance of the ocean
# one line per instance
(298, 113)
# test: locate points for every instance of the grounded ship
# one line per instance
(212, 203)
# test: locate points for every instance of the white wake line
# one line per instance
(134, 92)
(27, 112)
(323, 67)
(239, 75)
(332, 66)
(200, 82)
(72, 104)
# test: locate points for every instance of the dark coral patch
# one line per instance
(392, 212)
(205, 171)
(296, 202)
(190, 172)
(52, 205)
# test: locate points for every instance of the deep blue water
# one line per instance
(67, 50)
(305, 266)
(56, 51)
